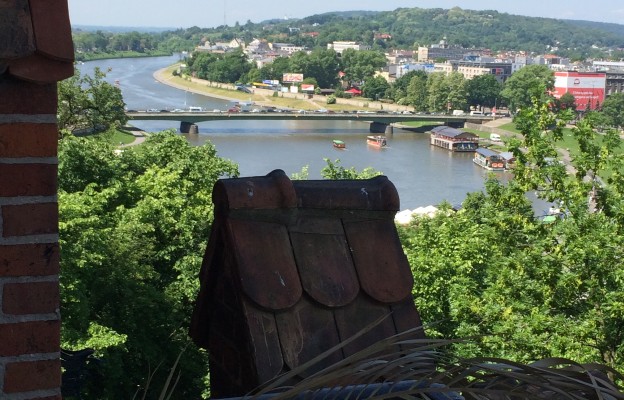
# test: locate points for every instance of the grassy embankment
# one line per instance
(297, 101)
(116, 136)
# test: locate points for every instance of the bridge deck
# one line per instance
(386, 118)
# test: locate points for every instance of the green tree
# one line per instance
(526, 83)
(483, 90)
(523, 288)
(333, 170)
(276, 69)
(375, 87)
(361, 65)
(613, 110)
(89, 102)
(457, 93)
(566, 102)
(416, 94)
(132, 235)
(323, 65)
(437, 92)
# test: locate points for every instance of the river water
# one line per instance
(423, 174)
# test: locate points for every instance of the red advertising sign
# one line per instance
(587, 88)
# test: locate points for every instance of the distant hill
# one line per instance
(618, 29)
(120, 29)
(467, 28)
(403, 28)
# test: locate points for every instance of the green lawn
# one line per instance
(510, 127)
(114, 136)
(418, 124)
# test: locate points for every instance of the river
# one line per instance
(423, 174)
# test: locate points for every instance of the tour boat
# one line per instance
(376, 140)
(489, 159)
(339, 144)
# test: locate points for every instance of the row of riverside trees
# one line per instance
(430, 92)
(133, 228)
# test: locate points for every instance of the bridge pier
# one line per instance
(455, 124)
(188, 127)
(380, 127)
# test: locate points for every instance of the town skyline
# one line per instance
(187, 13)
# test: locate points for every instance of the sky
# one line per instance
(213, 13)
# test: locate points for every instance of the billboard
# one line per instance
(292, 78)
(307, 87)
(588, 88)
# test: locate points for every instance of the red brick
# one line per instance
(33, 375)
(27, 180)
(28, 140)
(30, 338)
(30, 219)
(30, 298)
(26, 97)
(29, 260)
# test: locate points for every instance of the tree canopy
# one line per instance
(526, 83)
(89, 102)
(524, 287)
(133, 228)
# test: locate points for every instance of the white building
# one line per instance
(339, 47)
(286, 48)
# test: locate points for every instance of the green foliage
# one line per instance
(566, 102)
(523, 289)
(333, 170)
(359, 66)
(408, 27)
(483, 90)
(302, 175)
(89, 102)
(527, 83)
(230, 67)
(437, 92)
(132, 229)
(613, 110)
(375, 87)
(331, 99)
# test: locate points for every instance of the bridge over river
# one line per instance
(379, 122)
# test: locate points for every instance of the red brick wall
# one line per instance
(29, 254)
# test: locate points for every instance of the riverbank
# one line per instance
(266, 97)
(84, 57)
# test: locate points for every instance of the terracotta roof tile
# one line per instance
(380, 262)
(326, 268)
(292, 269)
(268, 273)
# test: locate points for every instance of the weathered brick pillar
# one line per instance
(35, 53)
